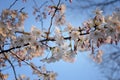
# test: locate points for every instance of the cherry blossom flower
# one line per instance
(14, 13)
(89, 23)
(23, 16)
(57, 53)
(5, 13)
(62, 8)
(29, 38)
(50, 60)
(69, 27)
(52, 76)
(75, 35)
(118, 36)
(99, 56)
(83, 44)
(98, 11)
(58, 37)
(3, 30)
(96, 35)
(20, 41)
(35, 32)
(69, 56)
(99, 18)
(43, 69)
(60, 20)
(108, 39)
(110, 31)
(4, 76)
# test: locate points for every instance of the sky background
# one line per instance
(82, 69)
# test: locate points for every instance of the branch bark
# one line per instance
(11, 66)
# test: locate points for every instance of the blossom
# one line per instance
(69, 27)
(62, 8)
(57, 53)
(4, 76)
(89, 23)
(69, 56)
(43, 69)
(19, 41)
(35, 32)
(98, 20)
(14, 13)
(111, 31)
(50, 60)
(5, 13)
(57, 31)
(3, 29)
(58, 37)
(117, 14)
(118, 36)
(108, 39)
(60, 20)
(39, 51)
(99, 56)
(29, 39)
(23, 16)
(52, 76)
(82, 44)
(113, 21)
(96, 35)
(75, 35)
(98, 11)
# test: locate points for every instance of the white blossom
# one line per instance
(110, 31)
(69, 56)
(62, 8)
(75, 35)
(35, 32)
(96, 35)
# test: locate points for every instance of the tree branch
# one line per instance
(33, 67)
(12, 4)
(3, 51)
(100, 4)
(44, 40)
(11, 66)
(51, 21)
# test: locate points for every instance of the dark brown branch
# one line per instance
(38, 10)
(101, 4)
(16, 65)
(51, 21)
(44, 40)
(33, 67)
(3, 51)
(11, 66)
(22, 32)
(12, 4)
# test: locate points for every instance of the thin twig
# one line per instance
(12, 4)
(100, 4)
(51, 21)
(11, 66)
(33, 67)
(2, 51)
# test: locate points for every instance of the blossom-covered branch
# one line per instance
(61, 40)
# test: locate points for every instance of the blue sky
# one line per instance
(82, 69)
